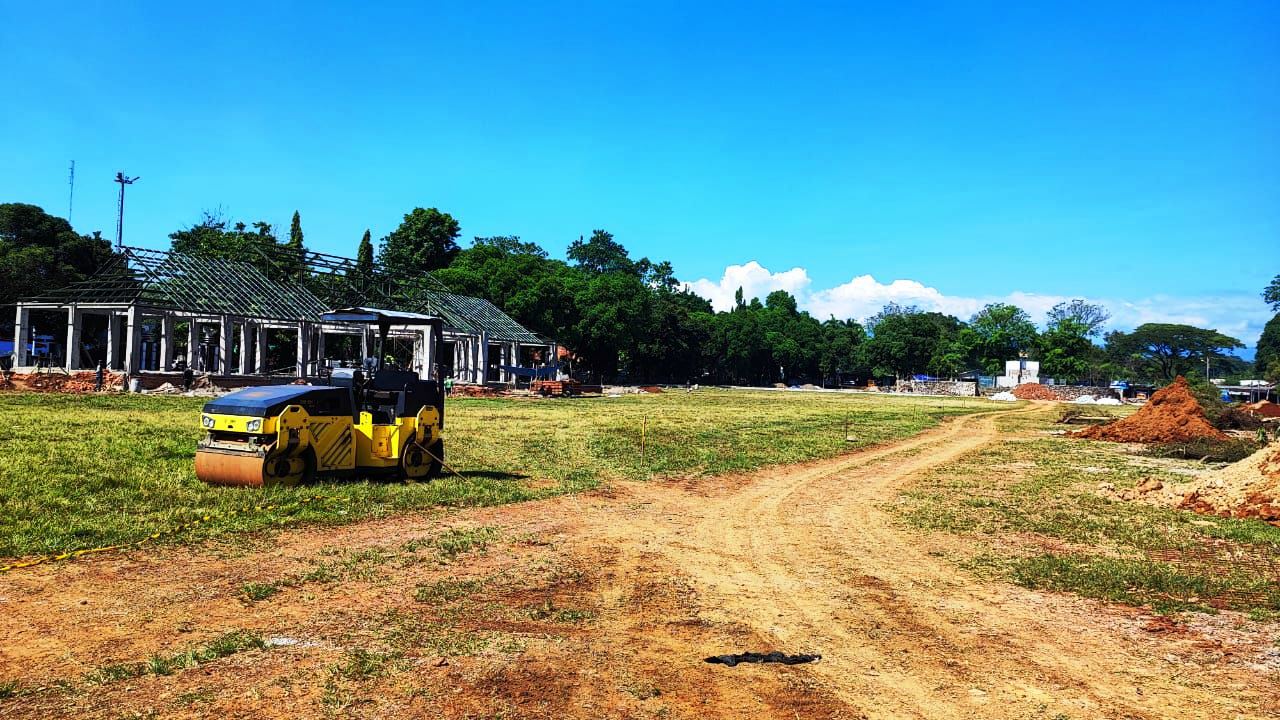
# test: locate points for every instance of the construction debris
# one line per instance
(1005, 396)
(1172, 415)
(1246, 489)
(481, 391)
(1249, 488)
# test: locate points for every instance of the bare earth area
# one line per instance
(605, 604)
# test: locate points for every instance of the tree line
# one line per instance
(631, 319)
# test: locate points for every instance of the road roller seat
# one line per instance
(390, 394)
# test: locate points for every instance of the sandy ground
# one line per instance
(656, 576)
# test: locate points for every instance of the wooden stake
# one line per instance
(644, 429)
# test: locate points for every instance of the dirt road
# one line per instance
(604, 605)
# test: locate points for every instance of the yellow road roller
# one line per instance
(386, 423)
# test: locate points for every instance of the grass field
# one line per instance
(1030, 504)
(86, 471)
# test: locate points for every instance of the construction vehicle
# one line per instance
(386, 423)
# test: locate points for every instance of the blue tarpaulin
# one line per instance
(542, 373)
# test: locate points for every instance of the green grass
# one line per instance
(86, 471)
(1137, 582)
(228, 644)
(1031, 503)
(548, 611)
(259, 591)
(446, 590)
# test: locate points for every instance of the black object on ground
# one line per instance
(751, 657)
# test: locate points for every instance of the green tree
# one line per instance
(41, 252)
(843, 351)
(1268, 351)
(293, 259)
(425, 241)
(1271, 293)
(905, 343)
(519, 278)
(601, 254)
(1066, 353)
(510, 245)
(364, 255)
(258, 246)
(1162, 351)
(1000, 332)
(1089, 316)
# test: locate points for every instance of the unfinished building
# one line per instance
(155, 312)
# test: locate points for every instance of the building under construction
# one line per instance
(154, 312)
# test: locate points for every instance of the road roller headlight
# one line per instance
(206, 421)
(253, 425)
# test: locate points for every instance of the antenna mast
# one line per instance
(120, 178)
(71, 196)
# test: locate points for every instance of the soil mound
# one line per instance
(1247, 489)
(84, 381)
(1034, 391)
(1264, 408)
(1172, 415)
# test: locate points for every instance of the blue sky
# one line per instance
(954, 153)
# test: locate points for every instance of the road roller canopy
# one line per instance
(273, 399)
(378, 316)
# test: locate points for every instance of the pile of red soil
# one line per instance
(1171, 415)
(77, 382)
(650, 389)
(1264, 408)
(1035, 391)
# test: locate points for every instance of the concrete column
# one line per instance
(364, 346)
(473, 359)
(320, 352)
(301, 363)
(433, 355)
(246, 345)
(113, 342)
(166, 343)
(515, 360)
(225, 332)
(72, 354)
(193, 343)
(484, 357)
(419, 353)
(260, 362)
(133, 341)
(21, 322)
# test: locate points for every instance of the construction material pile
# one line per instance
(1034, 391)
(1005, 396)
(1246, 489)
(474, 391)
(1172, 415)
(1263, 408)
(77, 382)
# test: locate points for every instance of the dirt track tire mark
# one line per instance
(808, 556)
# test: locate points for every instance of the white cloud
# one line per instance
(755, 281)
(1240, 315)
